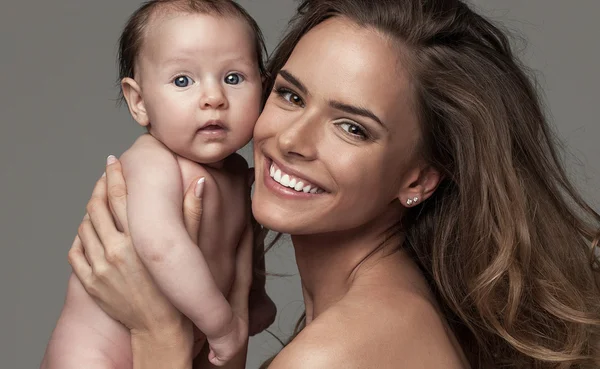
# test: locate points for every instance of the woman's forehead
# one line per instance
(340, 60)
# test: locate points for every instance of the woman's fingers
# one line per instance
(78, 261)
(192, 208)
(100, 214)
(117, 192)
(94, 251)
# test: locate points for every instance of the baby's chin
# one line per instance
(214, 152)
(210, 154)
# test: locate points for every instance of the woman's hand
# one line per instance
(104, 260)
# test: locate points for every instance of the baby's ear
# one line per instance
(133, 95)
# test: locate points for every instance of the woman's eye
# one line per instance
(183, 81)
(290, 97)
(234, 79)
(354, 130)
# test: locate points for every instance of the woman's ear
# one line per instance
(133, 95)
(420, 185)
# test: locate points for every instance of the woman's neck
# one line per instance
(330, 263)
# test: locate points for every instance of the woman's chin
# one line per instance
(272, 223)
(277, 222)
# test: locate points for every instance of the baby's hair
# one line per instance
(132, 37)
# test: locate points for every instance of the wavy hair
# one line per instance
(506, 241)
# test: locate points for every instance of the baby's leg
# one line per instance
(86, 337)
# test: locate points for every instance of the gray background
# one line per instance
(59, 122)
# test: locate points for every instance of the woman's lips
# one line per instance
(281, 190)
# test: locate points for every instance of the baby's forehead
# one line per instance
(170, 33)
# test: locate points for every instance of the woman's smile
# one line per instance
(332, 140)
(291, 179)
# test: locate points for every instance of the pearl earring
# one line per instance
(414, 200)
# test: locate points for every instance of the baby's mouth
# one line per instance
(212, 127)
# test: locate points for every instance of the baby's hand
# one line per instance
(224, 348)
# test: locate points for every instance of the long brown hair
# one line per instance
(506, 241)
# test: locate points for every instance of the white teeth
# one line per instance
(288, 181)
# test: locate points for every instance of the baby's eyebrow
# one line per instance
(241, 59)
(176, 60)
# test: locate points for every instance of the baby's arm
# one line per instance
(85, 336)
(156, 224)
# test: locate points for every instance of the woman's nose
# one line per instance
(300, 139)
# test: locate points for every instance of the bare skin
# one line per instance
(82, 319)
(199, 97)
(366, 309)
(104, 260)
(386, 304)
(368, 305)
(211, 80)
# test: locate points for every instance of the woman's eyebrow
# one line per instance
(350, 109)
(355, 110)
(293, 80)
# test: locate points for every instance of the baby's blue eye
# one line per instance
(234, 79)
(182, 81)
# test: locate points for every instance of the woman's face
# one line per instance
(335, 143)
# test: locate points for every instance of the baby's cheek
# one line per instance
(248, 117)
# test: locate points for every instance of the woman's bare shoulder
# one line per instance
(372, 330)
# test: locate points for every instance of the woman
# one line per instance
(444, 231)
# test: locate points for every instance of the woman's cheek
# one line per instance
(265, 124)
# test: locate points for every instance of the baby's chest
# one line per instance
(226, 188)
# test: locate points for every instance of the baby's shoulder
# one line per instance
(147, 149)
(147, 141)
(146, 158)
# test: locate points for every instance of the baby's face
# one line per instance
(201, 85)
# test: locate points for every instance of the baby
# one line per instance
(191, 73)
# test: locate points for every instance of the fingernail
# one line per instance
(199, 187)
(111, 159)
(104, 174)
